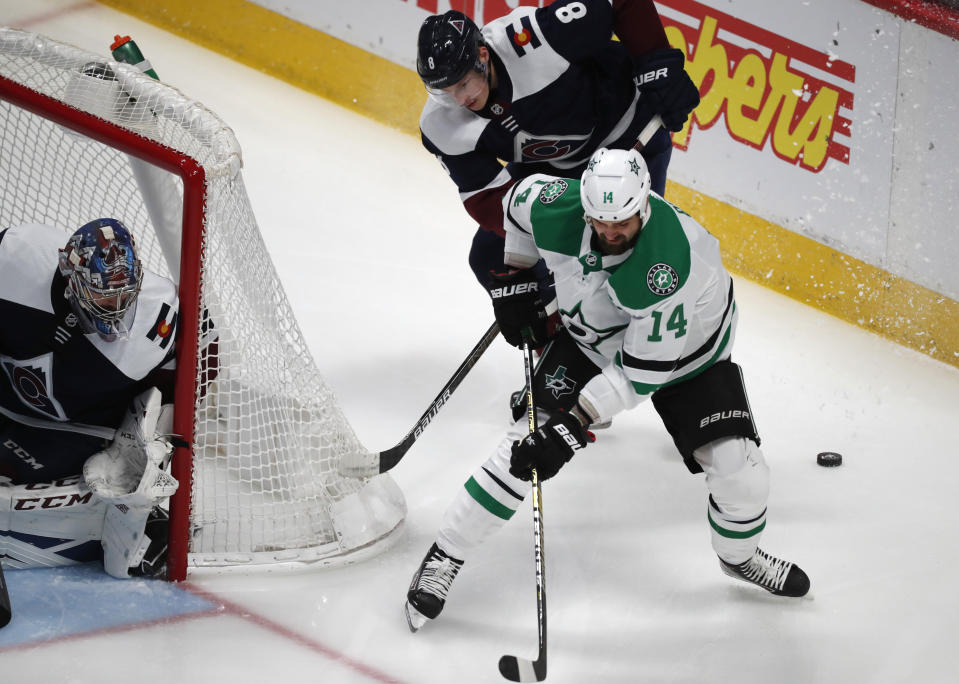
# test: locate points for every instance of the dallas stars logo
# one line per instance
(634, 166)
(559, 384)
(662, 279)
(592, 164)
(552, 191)
(586, 334)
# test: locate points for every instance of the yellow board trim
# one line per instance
(799, 267)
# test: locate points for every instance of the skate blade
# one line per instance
(414, 618)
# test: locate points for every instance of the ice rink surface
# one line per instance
(370, 241)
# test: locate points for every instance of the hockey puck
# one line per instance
(829, 459)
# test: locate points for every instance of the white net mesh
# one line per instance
(268, 433)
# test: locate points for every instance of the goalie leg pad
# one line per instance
(737, 478)
(135, 541)
(706, 408)
(487, 500)
(50, 524)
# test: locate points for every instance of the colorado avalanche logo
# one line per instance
(662, 279)
(537, 148)
(32, 382)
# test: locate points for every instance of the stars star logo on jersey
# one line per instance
(552, 191)
(559, 384)
(662, 279)
(586, 334)
(634, 166)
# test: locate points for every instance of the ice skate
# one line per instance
(775, 575)
(430, 586)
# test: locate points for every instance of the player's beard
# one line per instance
(614, 248)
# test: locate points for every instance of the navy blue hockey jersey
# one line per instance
(54, 375)
(564, 89)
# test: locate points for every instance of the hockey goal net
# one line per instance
(82, 137)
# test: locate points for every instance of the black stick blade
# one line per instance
(522, 670)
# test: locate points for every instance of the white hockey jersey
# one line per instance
(52, 374)
(658, 314)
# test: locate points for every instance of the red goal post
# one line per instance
(82, 136)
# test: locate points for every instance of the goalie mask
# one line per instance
(103, 276)
(616, 186)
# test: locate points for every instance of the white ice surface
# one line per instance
(371, 242)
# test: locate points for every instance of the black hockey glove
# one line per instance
(518, 307)
(660, 76)
(549, 448)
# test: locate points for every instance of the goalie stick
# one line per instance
(512, 667)
(368, 465)
(6, 612)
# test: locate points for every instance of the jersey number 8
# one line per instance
(572, 11)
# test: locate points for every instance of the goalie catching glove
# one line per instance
(129, 476)
(549, 448)
(518, 307)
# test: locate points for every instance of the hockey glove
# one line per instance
(549, 448)
(518, 307)
(660, 76)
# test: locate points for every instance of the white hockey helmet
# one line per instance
(615, 186)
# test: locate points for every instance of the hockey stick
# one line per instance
(512, 667)
(6, 612)
(368, 465)
(650, 130)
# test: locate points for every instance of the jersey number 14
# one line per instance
(676, 323)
